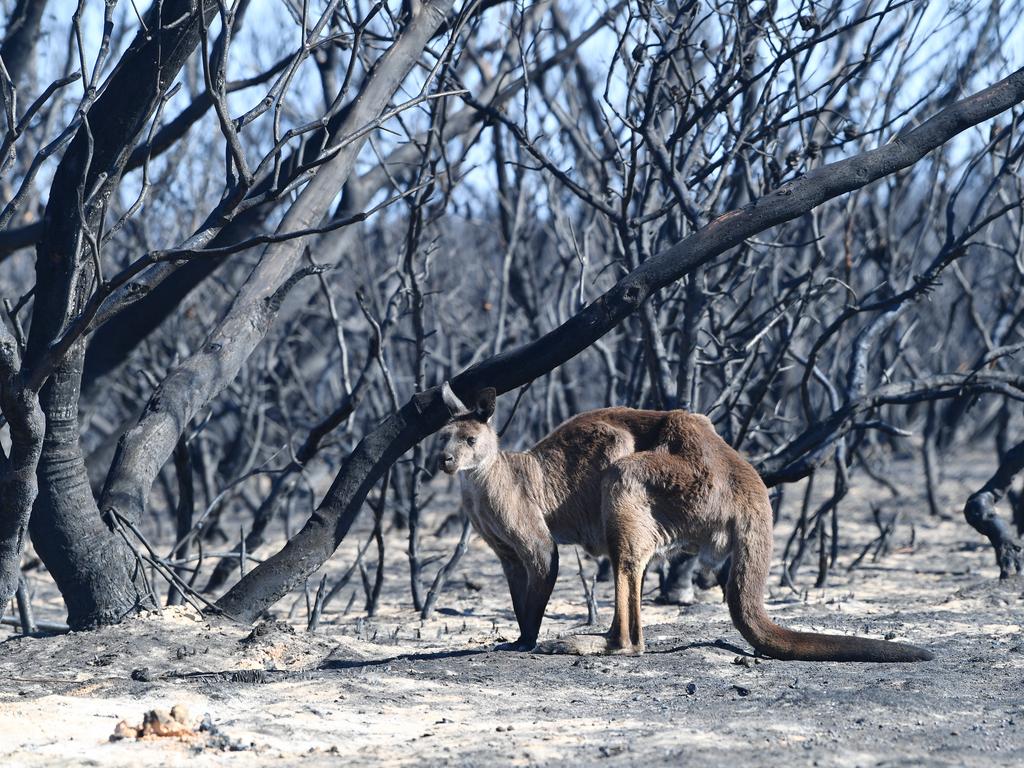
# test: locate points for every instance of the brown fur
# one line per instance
(628, 483)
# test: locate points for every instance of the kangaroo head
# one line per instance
(470, 441)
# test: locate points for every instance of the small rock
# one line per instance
(691, 688)
(160, 722)
(741, 690)
(124, 731)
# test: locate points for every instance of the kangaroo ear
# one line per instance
(485, 404)
(455, 406)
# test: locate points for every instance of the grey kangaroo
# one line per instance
(626, 483)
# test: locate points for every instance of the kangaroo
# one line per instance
(627, 483)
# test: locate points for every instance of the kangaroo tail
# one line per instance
(751, 557)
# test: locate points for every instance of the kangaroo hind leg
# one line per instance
(632, 539)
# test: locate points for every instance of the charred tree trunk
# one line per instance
(18, 486)
(21, 36)
(93, 567)
(980, 512)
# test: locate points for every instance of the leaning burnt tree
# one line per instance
(258, 255)
(426, 413)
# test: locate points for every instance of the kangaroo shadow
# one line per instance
(336, 664)
(340, 664)
(720, 644)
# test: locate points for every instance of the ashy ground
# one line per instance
(399, 691)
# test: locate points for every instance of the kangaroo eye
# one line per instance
(471, 440)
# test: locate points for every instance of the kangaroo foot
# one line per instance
(587, 645)
(518, 646)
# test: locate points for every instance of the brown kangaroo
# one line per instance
(627, 483)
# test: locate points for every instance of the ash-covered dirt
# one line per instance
(397, 690)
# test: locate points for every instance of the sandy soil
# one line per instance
(397, 690)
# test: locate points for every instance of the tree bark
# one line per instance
(18, 485)
(93, 567)
(980, 512)
(20, 40)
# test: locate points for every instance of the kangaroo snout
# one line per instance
(447, 463)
